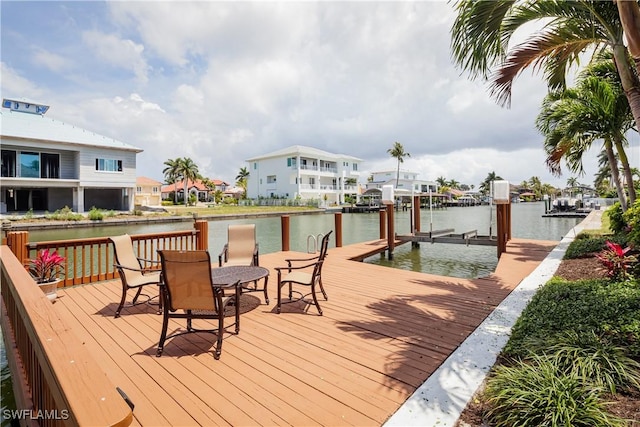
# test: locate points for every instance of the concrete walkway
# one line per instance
(440, 400)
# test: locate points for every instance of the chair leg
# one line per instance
(220, 331)
(279, 304)
(266, 297)
(122, 300)
(163, 334)
(326, 298)
(137, 295)
(315, 299)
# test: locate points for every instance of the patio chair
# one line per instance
(187, 286)
(241, 247)
(133, 271)
(306, 272)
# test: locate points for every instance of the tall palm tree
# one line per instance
(242, 180)
(397, 151)
(441, 180)
(629, 12)
(571, 120)
(188, 171)
(172, 176)
(572, 182)
(483, 30)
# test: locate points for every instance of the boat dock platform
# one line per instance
(448, 235)
(384, 332)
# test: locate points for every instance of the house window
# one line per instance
(8, 163)
(255, 165)
(355, 166)
(271, 179)
(109, 165)
(29, 165)
(138, 189)
(50, 165)
(154, 190)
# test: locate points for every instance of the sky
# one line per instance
(221, 82)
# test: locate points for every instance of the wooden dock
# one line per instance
(383, 333)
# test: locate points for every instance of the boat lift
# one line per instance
(448, 235)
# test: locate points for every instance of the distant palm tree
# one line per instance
(485, 186)
(188, 171)
(171, 175)
(454, 184)
(572, 182)
(441, 180)
(397, 151)
(242, 180)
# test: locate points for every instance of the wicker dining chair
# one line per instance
(189, 293)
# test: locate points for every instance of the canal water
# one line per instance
(455, 260)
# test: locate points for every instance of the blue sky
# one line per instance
(221, 82)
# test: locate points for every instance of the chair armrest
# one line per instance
(297, 267)
(155, 264)
(224, 255)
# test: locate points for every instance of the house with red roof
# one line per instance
(195, 187)
(148, 192)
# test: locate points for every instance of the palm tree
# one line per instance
(442, 181)
(454, 184)
(242, 179)
(483, 29)
(172, 176)
(188, 171)
(630, 18)
(485, 186)
(573, 119)
(572, 182)
(397, 151)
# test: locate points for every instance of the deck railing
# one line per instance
(91, 260)
(56, 381)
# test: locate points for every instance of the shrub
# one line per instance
(616, 219)
(616, 261)
(95, 214)
(594, 358)
(539, 394)
(632, 218)
(65, 214)
(586, 244)
(608, 309)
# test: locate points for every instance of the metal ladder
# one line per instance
(313, 239)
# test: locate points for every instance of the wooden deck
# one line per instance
(384, 331)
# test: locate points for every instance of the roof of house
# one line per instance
(303, 150)
(198, 184)
(16, 124)
(143, 180)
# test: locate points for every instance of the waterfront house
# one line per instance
(148, 192)
(408, 181)
(48, 164)
(196, 188)
(305, 173)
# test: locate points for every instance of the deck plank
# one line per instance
(383, 333)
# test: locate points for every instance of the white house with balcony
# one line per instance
(48, 164)
(304, 172)
(407, 182)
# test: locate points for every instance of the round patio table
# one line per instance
(248, 275)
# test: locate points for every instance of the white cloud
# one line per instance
(231, 80)
(121, 53)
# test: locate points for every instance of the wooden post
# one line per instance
(338, 226)
(284, 224)
(416, 213)
(17, 242)
(383, 223)
(391, 232)
(202, 236)
(503, 221)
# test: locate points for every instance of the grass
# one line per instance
(233, 210)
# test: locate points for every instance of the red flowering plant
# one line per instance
(616, 261)
(47, 266)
